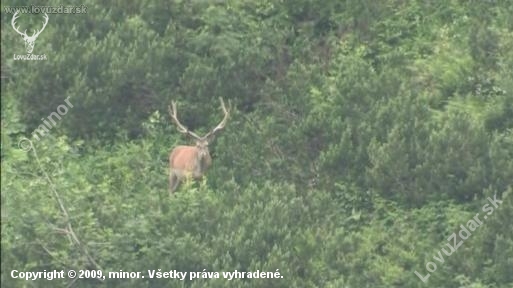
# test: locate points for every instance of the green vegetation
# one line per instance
(362, 135)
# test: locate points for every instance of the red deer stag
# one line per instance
(191, 161)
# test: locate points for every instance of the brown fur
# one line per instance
(188, 161)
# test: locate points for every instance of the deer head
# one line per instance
(29, 40)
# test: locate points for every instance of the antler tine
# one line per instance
(221, 125)
(13, 22)
(181, 128)
(44, 25)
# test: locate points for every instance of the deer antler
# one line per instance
(13, 23)
(181, 128)
(44, 25)
(221, 125)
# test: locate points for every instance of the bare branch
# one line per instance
(69, 229)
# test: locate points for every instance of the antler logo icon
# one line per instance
(29, 40)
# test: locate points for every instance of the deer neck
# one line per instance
(202, 164)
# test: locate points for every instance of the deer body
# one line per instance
(187, 161)
(191, 161)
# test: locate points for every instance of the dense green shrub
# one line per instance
(362, 135)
